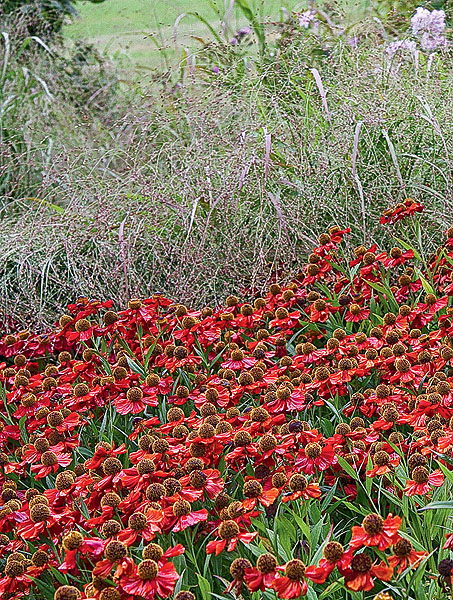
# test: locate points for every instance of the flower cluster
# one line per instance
(429, 27)
(400, 46)
(280, 444)
(404, 209)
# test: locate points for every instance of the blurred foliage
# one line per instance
(48, 93)
(43, 18)
(396, 14)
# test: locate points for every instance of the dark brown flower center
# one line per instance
(333, 551)
(373, 524)
(295, 569)
(153, 552)
(298, 482)
(115, 551)
(402, 548)
(238, 567)
(381, 458)
(181, 508)
(420, 475)
(147, 569)
(228, 530)
(137, 521)
(361, 563)
(266, 563)
(252, 489)
(313, 450)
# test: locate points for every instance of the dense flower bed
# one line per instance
(297, 445)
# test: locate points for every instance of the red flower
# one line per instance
(92, 547)
(334, 556)
(102, 451)
(356, 313)
(301, 488)
(315, 457)
(230, 534)
(142, 525)
(18, 586)
(149, 579)
(381, 469)
(359, 574)
(405, 556)
(254, 493)
(375, 531)
(206, 480)
(397, 257)
(422, 482)
(134, 402)
(180, 516)
(292, 583)
(238, 362)
(262, 577)
(405, 209)
(51, 460)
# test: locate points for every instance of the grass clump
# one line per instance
(220, 176)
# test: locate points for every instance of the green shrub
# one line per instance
(43, 18)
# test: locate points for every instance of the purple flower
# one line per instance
(353, 41)
(244, 31)
(400, 45)
(430, 42)
(306, 18)
(425, 21)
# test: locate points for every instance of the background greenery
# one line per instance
(41, 17)
(124, 27)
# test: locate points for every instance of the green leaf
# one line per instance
(369, 480)
(303, 526)
(205, 587)
(255, 23)
(426, 286)
(333, 409)
(178, 585)
(207, 24)
(386, 294)
(316, 533)
(47, 589)
(407, 246)
(347, 467)
(328, 499)
(105, 363)
(448, 504)
(340, 268)
(311, 594)
(23, 428)
(59, 576)
(336, 585)
(136, 367)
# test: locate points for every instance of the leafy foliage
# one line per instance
(44, 18)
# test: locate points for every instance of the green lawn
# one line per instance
(124, 27)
